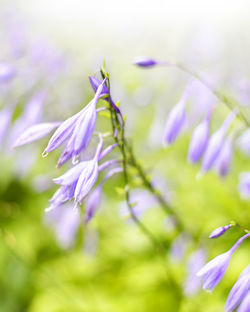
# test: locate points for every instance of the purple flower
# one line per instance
(7, 73)
(195, 262)
(176, 119)
(244, 185)
(239, 290)
(220, 231)
(95, 83)
(35, 132)
(92, 203)
(145, 62)
(215, 144)
(224, 158)
(199, 140)
(65, 222)
(5, 119)
(243, 142)
(214, 270)
(244, 307)
(77, 130)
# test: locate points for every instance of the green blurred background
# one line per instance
(113, 266)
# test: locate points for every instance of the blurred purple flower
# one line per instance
(239, 291)
(244, 307)
(176, 118)
(215, 144)
(199, 140)
(220, 231)
(144, 61)
(35, 133)
(243, 142)
(225, 157)
(7, 73)
(195, 262)
(214, 270)
(64, 221)
(179, 247)
(5, 119)
(244, 185)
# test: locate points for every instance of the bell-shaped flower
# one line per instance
(225, 158)
(244, 307)
(35, 133)
(239, 290)
(220, 231)
(214, 270)
(77, 129)
(176, 119)
(199, 140)
(215, 144)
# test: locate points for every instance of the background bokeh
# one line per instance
(112, 266)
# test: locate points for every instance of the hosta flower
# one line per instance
(215, 144)
(214, 270)
(239, 290)
(220, 231)
(76, 130)
(225, 157)
(244, 185)
(176, 119)
(199, 140)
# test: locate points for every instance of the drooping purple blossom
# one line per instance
(35, 133)
(215, 144)
(193, 282)
(176, 119)
(239, 291)
(179, 247)
(220, 231)
(214, 270)
(76, 130)
(199, 140)
(225, 158)
(244, 185)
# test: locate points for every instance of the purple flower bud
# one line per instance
(220, 231)
(244, 307)
(95, 83)
(176, 119)
(244, 185)
(7, 73)
(214, 270)
(224, 159)
(199, 141)
(215, 144)
(239, 290)
(35, 132)
(145, 62)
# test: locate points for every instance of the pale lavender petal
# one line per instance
(35, 133)
(244, 185)
(92, 203)
(73, 174)
(5, 119)
(107, 150)
(243, 142)
(239, 290)
(7, 73)
(245, 305)
(225, 157)
(86, 181)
